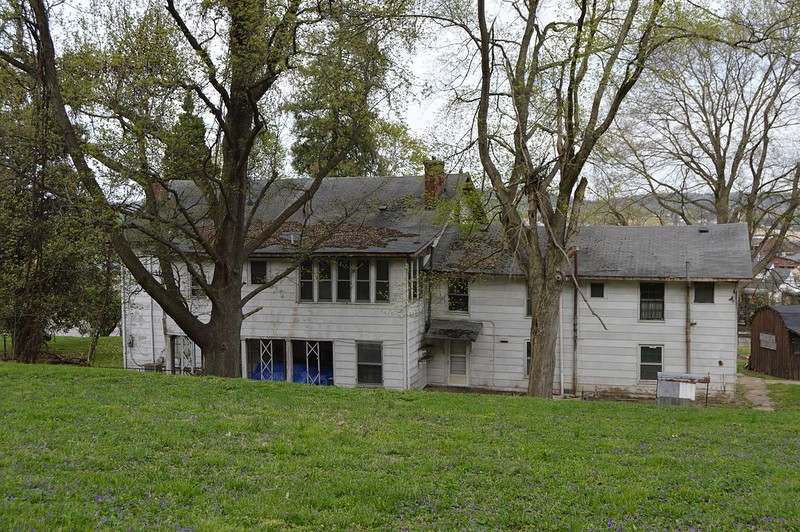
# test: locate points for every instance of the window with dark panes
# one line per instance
(307, 281)
(703, 292)
(597, 290)
(197, 290)
(528, 304)
(324, 281)
(795, 345)
(528, 359)
(381, 280)
(362, 280)
(343, 280)
(458, 295)
(651, 301)
(258, 271)
(651, 362)
(370, 363)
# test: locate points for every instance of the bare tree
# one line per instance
(551, 79)
(712, 135)
(112, 108)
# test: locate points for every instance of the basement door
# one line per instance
(457, 363)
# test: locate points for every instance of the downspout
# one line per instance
(561, 339)
(688, 321)
(407, 357)
(575, 323)
(430, 291)
(124, 325)
(152, 332)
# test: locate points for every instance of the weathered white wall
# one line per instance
(396, 325)
(497, 357)
(610, 358)
(143, 325)
(606, 359)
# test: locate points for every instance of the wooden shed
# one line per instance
(775, 341)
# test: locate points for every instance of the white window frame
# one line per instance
(641, 363)
(601, 283)
(713, 292)
(334, 280)
(360, 363)
(663, 302)
(250, 271)
(452, 282)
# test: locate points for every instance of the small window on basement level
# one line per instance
(370, 363)
(703, 292)
(651, 362)
(458, 295)
(258, 271)
(597, 290)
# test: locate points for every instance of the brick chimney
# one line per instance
(434, 181)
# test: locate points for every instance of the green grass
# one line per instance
(108, 353)
(785, 396)
(87, 448)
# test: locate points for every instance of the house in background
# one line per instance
(400, 296)
(775, 341)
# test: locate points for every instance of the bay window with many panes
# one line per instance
(344, 280)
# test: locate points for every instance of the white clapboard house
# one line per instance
(360, 312)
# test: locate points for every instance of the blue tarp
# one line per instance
(299, 374)
(261, 373)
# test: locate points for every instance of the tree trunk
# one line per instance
(221, 347)
(28, 339)
(545, 298)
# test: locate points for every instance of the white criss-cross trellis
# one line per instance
(267, 362)
(185, 356)
(312, 349)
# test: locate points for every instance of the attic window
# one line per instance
(703, 292)
(702, 229)
(597, 290)
(258, 271)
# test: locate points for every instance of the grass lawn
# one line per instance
(107, 355)
(86, 448)
(785, 396)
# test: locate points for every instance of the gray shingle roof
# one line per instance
(790, 314)
(357, 215)
(612, 252)
(721, 252)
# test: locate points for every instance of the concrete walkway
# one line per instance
(755, 391)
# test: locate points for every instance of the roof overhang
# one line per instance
(454, 330)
